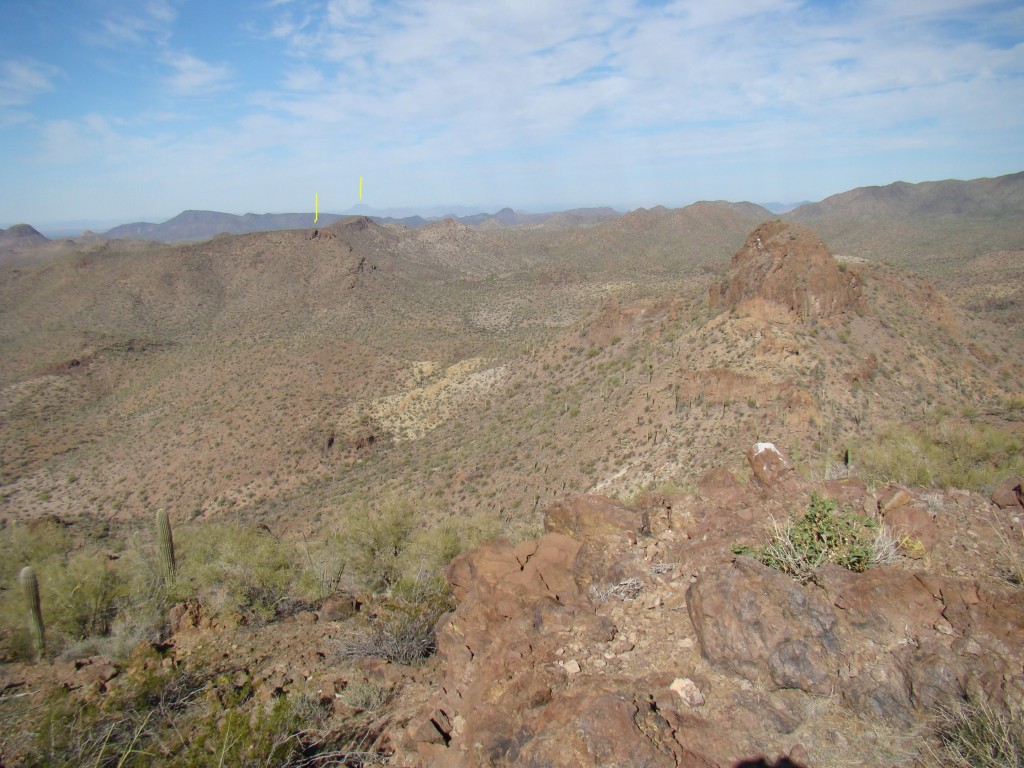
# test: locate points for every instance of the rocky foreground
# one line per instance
(634, 636)
(627, 637)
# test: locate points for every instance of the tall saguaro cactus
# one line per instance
(30, 586)
(163, 534)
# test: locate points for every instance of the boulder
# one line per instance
(894, 497)
(771, 467)
(720, 486)
(1009, 495)
(588, 516)
(913, 524)
(604, 529)
(884, 605)
(761, 624)
(600, 728)
(338, 608)
(518, 605)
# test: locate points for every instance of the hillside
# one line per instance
(932, 227)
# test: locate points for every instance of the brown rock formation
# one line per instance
(787, 266)
(624, 638)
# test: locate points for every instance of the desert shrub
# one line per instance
(402, 630)
(121, 729)
(234, 569)
(822, 535)
(394, 542)
(979, 735)
(368, 695)
(324, 567)
(945, 453)
(83, 595)
(377, 540)
(278, 736)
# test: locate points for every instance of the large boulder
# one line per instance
(771, 467)
(761, 624)
(518, 605)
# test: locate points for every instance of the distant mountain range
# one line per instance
(901, 206)
(202, 225)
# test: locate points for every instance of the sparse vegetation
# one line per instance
(188, 719)
(822, 535)
(943, 453)
(977, 734)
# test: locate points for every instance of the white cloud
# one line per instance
(134, 24)
(21, 80)
(195, 76)
(342, 12)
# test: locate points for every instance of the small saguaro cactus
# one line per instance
(30, 586)
(163, 534)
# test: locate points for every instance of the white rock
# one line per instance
(688, 691)
(571, 667)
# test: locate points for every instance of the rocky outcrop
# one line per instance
(632, 636)
(787, 267)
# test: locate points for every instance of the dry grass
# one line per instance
(979, 735)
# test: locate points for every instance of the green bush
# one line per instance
(402, 630)
(822, 535)
(234, 569)
(394, 542)
(377, 540)
(176, 718)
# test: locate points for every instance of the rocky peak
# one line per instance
(786, 265)
(22, 232)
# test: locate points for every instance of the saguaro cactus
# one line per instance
(163, 534)
(30, 586)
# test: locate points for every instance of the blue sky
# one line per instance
(116, 111)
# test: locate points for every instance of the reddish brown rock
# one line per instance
(786, 265)
(586, 516)
(763, 625)
(600, 728)
(883, 604)
(338, 608)
(1009, 495)
(893, 497)
(720, 486)
(915, 525)
(849, 492)
(771, 467)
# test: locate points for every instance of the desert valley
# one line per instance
(703, 486)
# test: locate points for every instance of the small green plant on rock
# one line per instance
(822, 535)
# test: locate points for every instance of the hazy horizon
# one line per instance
(159, 106)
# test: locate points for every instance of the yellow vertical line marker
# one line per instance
(360, 187)
(316, 207)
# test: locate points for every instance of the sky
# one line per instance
(116, 111)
